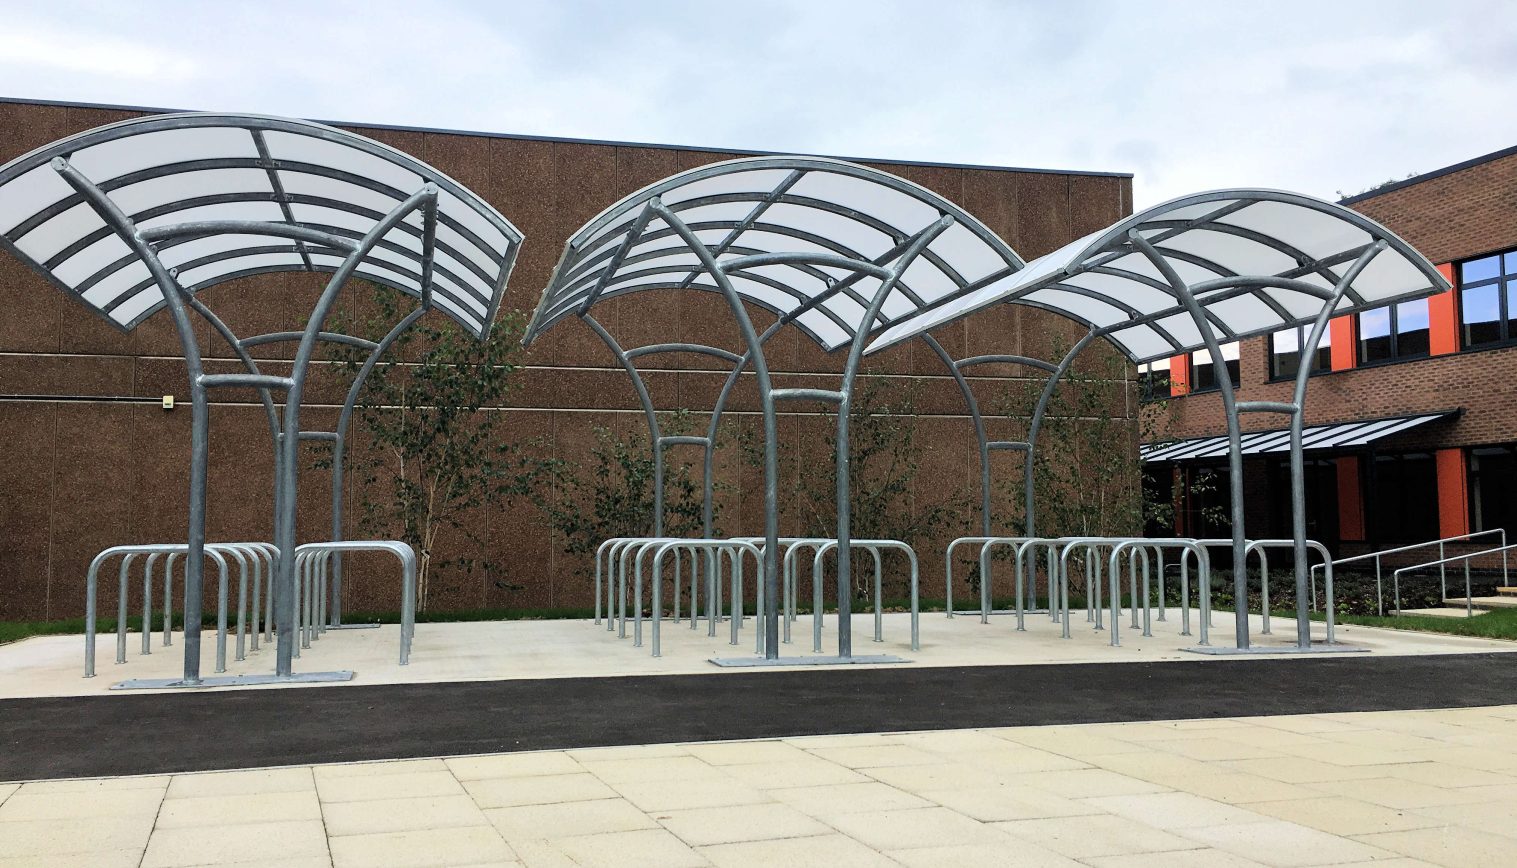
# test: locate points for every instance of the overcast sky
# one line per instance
(1319, 97)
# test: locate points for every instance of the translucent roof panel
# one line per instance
(1214, 242)
(795, 205)
(170, 170)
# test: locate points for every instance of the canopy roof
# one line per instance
(191, 168)
(781, 205)
(1210, 240)
(1341, 435)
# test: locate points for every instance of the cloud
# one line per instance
(1311, 96)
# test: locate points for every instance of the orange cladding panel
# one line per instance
(1179, 375)
(1453, 500)
(1343, 335)
(1350, 500)
(1443, 318)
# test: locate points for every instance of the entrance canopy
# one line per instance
(320, 188)
(1341, 435)
(782, 205)
(1244, 254)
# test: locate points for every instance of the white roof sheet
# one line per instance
(782, 205)
(1104, 281)
(173, 169)
(1341, 435)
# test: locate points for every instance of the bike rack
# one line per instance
(312, 597)
(874, 547)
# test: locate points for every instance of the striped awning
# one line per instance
(1340, 435)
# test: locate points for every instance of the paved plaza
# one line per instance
(1389, 789)
(1415, 786)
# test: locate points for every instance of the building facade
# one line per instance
(1418, 426)
(93, 459)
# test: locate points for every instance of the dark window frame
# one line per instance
(1234, 367)
(1302, 331)
(1390, 509)
(1505, 282)
(1147, 391)
(1475, 482)
(1396, 355)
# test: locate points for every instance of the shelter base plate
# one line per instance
(1314, 648)
(234, 680)
(352, 627)
(808, 661)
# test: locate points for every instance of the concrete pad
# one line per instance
(504, 650)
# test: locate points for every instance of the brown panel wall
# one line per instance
(84, 472)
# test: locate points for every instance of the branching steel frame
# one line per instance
(285, 426)
(753, 342)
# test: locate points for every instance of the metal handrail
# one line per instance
(1469, 599)
(1442, 573)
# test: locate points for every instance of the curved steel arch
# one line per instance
(113, 215)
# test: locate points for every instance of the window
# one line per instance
(1403, 498)
(1400, 331)
(1285, 352)
(1488, 300)
(1206, 502)
(1153, 380)
(1493, 487)
(1320, 476)
(1203, 376)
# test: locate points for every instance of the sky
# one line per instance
(1327, 97)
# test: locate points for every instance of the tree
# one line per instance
(1087, 481)
(885, 457)
(613, 497)
(436, 453)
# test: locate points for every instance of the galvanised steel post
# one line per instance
(850, 372)
(123, 226)
(1234, 432)
(770, 616)
(285, 590)
(1297, 468)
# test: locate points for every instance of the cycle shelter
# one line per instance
(1210, 268)
(141, 216)
(834, 249)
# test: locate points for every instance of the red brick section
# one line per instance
(1455, 216)
(1350, 499)
(1453, 499)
